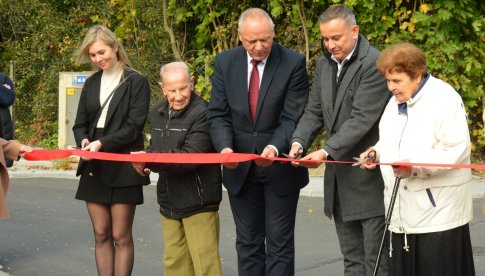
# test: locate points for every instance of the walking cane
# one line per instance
(387, 222)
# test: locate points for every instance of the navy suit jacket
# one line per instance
(282, 98)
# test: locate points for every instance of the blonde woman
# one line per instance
(111, 114)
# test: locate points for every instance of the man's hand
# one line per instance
(296, 151)
(267, 152)
(93, 146)
(370, 156)
(140, 166)
(229, 165)
(316, 155)
(402, 171)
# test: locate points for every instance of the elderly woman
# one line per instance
(424, 122)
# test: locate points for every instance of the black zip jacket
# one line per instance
(184, 189)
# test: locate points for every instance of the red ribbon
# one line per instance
(204, 158)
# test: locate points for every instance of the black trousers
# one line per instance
(265, 224)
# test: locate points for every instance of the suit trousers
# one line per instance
(265, 224)
(192, 245)
(359, 242)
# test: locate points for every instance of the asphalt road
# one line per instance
(49, 233)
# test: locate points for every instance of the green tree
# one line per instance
(41, 37)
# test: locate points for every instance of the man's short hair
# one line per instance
(338, 12)
(254, 12)
(172, 65)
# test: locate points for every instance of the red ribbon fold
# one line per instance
(203, 158)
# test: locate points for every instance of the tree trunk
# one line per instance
(300, 6)
(175, 47)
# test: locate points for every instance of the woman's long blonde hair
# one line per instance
(109, 38)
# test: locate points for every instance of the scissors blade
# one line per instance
(360, 161)
(287, 156)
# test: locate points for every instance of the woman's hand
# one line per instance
(93, 146)
(23, 149)
(84, 143)
(402, 171)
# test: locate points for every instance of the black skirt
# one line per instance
(446, 253)
(93, 190)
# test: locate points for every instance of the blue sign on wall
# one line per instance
(79, 80)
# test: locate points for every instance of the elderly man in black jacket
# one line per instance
(188, 194)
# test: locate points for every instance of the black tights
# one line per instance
(112, 225)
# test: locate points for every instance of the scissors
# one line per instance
(361, 161)
(299, 152)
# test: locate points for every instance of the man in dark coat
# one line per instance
(347, 99)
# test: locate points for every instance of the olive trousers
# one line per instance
(192, 245)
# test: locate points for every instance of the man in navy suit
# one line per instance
(259, 91)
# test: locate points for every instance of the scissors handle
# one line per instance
(287, 156)
(299, 153)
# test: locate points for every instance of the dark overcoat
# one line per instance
(351, 126)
